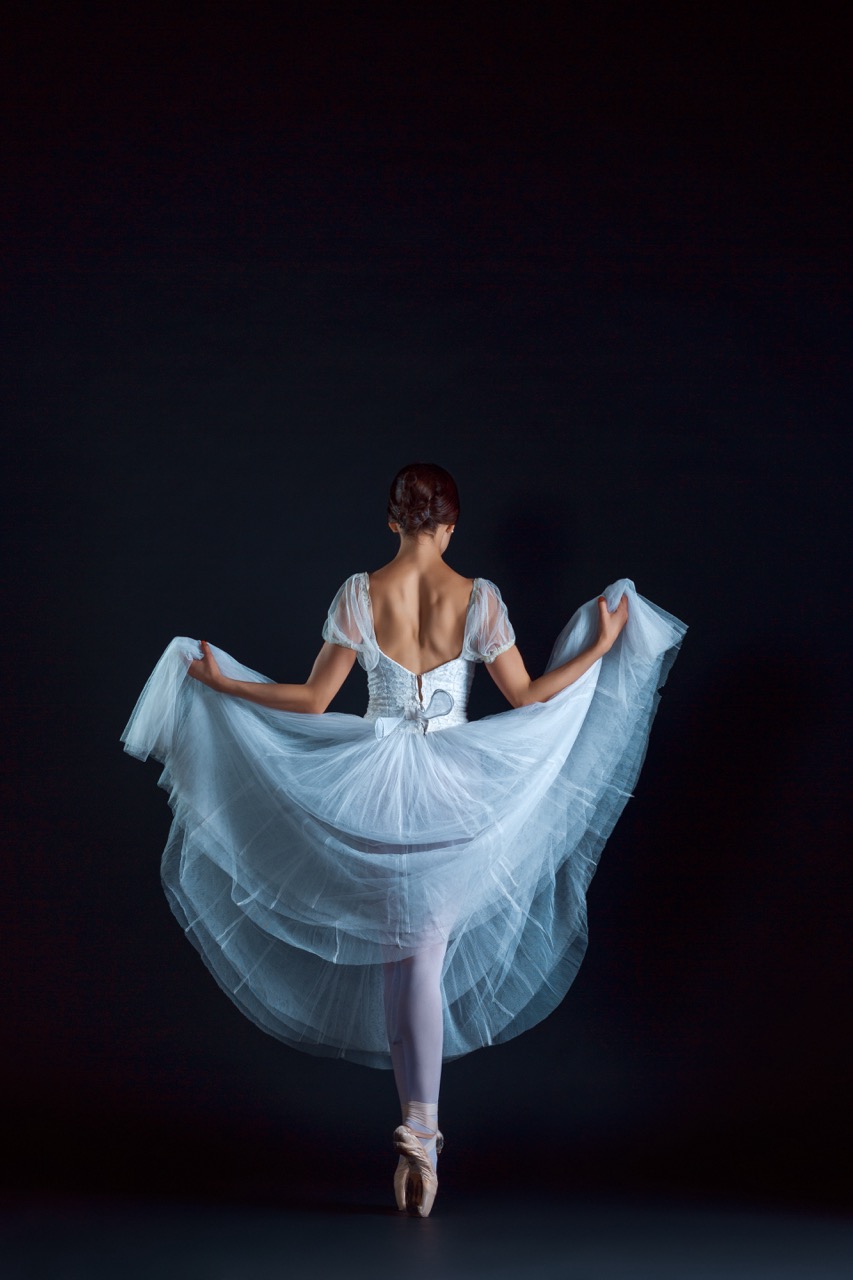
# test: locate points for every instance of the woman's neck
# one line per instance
(420, 553)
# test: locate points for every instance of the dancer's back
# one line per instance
(419, 612)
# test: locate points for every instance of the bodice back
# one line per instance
(437, 699)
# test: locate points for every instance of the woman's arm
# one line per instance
(510, 674)
(331, 668)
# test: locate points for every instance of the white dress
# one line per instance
(307, 850)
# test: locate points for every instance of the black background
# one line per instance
(589, 257)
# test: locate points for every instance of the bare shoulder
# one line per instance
(458, 585)
(442, 581)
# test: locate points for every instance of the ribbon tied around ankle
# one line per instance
(440, 704)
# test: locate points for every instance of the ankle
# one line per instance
(422, 1117)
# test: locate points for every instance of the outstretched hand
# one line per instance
(610, 624)
(206, 668)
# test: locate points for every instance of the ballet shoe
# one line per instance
(401, 1183)
(403, 1171)
(415, 1179)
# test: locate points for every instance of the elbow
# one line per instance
(526, 699)
(314, 700)
(532, 696)
(301, 699)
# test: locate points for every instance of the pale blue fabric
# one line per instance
(306, 850)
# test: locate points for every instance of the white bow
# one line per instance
(440, 704)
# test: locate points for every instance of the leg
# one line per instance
(415, 1023)
(391, 977)
(420, 1022)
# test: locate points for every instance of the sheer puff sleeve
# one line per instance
(489, 631)
(349, 621)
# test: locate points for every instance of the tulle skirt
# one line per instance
(306, 852)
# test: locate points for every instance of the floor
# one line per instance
(492, 1235)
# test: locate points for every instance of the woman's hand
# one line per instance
(610, 624)
(206, 668)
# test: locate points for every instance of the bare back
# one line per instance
(419, 613)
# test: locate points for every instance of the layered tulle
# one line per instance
(306, 850)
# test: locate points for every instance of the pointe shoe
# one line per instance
(401, 1183)
(415, 1180)
(403, 1172)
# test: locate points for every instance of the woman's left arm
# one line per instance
(331, 668)
(510, 674)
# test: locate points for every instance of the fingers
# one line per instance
(622, 605)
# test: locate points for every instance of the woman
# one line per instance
(403, 888)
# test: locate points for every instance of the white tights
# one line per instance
(415, 1024)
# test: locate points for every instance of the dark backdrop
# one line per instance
(589, 258)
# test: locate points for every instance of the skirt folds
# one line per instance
(306, 852)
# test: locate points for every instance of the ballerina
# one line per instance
(404, 887)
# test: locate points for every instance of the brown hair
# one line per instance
(422, 497)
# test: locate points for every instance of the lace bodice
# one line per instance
(399, 699)
(435, 700)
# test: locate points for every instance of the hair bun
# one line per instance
(422, 497)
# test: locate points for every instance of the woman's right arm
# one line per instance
(511, 676)
(331, 668)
